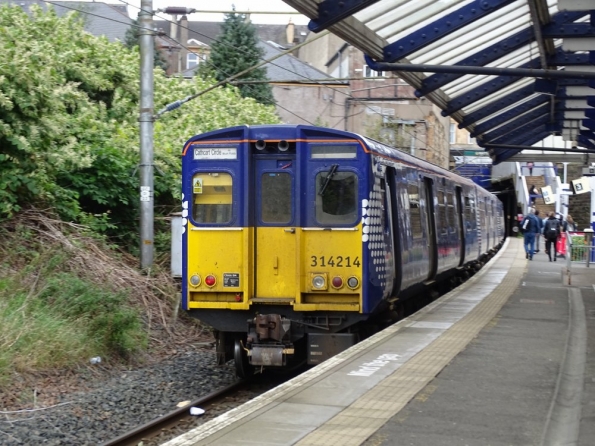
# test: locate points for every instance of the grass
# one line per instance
(53, 317)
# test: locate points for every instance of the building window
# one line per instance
(470, 140)
(192, 60)
(368, 72)
(452, 138)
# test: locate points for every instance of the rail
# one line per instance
(136, 436)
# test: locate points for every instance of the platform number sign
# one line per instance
(548, 196)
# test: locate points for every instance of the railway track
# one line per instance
(214, 404)
(154, 431)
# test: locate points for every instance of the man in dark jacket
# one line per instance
(530, 226)
(539, 230)
(551, 232)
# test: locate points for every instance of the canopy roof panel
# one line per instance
(512, 72)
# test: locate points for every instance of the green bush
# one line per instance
(103, 315)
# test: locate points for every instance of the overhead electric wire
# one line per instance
(173, 106)
(188, 98)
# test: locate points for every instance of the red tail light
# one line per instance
(210, 280)
(337, 282)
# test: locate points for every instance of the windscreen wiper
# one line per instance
(330, 175)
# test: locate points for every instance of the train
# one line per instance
(298, 240)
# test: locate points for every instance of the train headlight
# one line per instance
(195, 280)
(353, 282)
(210, 280)
(319, 282)
(337, 282)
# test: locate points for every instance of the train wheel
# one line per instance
(240, 358)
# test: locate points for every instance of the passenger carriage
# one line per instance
(297, 237)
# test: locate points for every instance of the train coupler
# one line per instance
(269, 355)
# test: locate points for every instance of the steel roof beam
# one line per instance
(587, 134)
(589, 123)
(496, 106)
(524, 70)
(487, 88)
(540, 15)
(503, 130)
(585, 142)
(524, 130)
(538, 134)
(331, 12)
(496, 51)
(494, 147)
(565, 30)
(513, 113)
(441, 28)
(532, 106)
(349, 29)
(565, 58)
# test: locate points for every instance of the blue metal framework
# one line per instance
(497, 109)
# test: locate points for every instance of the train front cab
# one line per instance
(272, 244)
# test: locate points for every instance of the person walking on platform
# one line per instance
(551, 232)
(530, 226)
(571, 226)
(539, 230)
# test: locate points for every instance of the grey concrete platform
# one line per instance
(506, 359)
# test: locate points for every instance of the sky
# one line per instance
(226, 5)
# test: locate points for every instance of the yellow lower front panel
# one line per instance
(225, 254)
(276, 265)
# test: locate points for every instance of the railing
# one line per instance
(578, 249)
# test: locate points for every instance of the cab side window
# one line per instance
(336, 197)
(212, 197)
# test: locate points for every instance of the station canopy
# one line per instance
(511, 72)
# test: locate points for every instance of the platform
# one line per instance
(505, 359)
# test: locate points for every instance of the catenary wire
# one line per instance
(413, 135)
(265, 61)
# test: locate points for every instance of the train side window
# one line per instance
(450, 211)
(275, 197)
(414, 211)
(443, 222)
(212, 197)
(469, 214)
(336, 197)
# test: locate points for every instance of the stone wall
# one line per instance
(579, 206)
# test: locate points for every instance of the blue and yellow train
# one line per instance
(297, 238)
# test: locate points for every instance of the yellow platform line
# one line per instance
(363, 418)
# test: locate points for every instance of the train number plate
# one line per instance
(231, 280)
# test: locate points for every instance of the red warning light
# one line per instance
(210, 280)
(337, 282)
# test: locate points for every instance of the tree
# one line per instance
(235, 50)
(69, 136)
(131, 41)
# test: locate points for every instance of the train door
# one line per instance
(275, 216)
(430, 217)
(462, 227)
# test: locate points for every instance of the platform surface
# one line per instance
(505, 359)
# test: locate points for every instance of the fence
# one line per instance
(580, 250)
